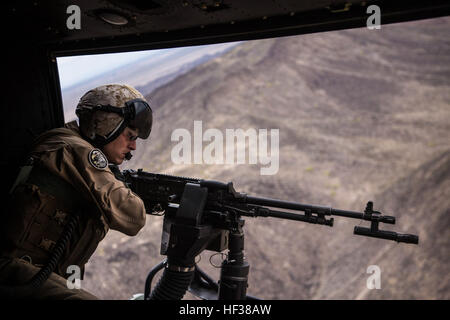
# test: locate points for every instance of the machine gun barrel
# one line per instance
(287, 205)
(264, 212)
(158, 190)
(321, 210)
(316, 214)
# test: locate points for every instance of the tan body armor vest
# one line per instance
(66, 180)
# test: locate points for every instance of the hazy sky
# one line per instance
(76, 69)
(72, 70)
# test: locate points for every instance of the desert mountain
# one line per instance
(362, 115)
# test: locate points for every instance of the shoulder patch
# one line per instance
(97, 159)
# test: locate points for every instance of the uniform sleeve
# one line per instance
(122, 209)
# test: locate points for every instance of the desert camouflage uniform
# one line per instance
(69, 176)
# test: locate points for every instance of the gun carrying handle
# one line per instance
(389, 235)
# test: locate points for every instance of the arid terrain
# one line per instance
(362, 115)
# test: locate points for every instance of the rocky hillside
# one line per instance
(362, 115)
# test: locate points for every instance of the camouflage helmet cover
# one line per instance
(103, 123)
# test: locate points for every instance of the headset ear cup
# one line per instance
(99, 141)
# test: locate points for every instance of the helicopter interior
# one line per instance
(35, 33)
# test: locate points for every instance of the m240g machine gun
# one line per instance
(207, 215)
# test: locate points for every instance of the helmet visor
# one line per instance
(143, 117)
